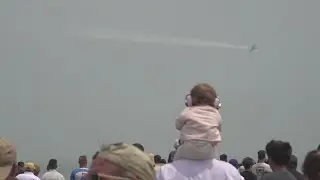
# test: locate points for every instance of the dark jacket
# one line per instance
(248, 175)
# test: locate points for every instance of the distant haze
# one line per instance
(61, 94)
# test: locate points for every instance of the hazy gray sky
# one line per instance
(61, 93)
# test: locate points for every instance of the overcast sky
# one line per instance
(62, 92)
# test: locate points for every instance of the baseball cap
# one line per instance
(8, 157)
(129, 158)
(234, 163)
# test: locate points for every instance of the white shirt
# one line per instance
(52, 175)
(260, 169)
(27, 176)
(185, 169)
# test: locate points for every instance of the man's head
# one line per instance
(293, 163)
(139, 146)
(83, 161)
(163, 161)
(171, 156)
(261, 156)
(8, 157)
(311, 165)
(157, 159)
(247, 163)
(121, 161)
(224, 157)
(279, 154)
(52, 165)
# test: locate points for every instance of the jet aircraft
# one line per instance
(253, 48)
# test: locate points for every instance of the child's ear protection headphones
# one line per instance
(188, 101)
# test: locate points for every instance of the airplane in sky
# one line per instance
(253, 48)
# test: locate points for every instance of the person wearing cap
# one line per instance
(121, 161)
(80, 173)
(234, 163)
(8, 158)
(29, 172)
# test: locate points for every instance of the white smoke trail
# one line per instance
(157, 39)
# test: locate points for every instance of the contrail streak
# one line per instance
(158, 39)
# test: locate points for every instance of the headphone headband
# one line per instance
(188, 101)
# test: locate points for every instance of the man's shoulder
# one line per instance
(37, 178)
(279, 175)
(190, 168)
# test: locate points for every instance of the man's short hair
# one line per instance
(163, 161)
(224, 157)
(261, 154)
(157, 158)
(247, 163)
(279, 152)
(82, 159)
(139, 146)
(293, 163)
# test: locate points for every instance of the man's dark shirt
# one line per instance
(279, 175)
(248, 175)
(296, 174)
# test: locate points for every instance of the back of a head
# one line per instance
(234, 163)
(53, 164)
(203, 94)
(171, 156)
(261, 155)
(30, 167)
(139, 146)
(224, 157)
(247, 163)
(311, 165)
(157, 158)
(279, 152)
(293, 163)
(163, 161)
